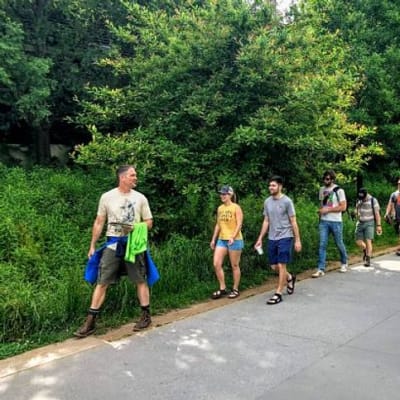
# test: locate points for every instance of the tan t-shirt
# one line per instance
(123, 208)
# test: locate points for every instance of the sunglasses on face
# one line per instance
(327, 179)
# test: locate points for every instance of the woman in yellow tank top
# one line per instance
(227, 239)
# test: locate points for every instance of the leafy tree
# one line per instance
(175, 93)
(72, 35)
(219, 90)
(25, 86)
(300, 125)
(370, 28)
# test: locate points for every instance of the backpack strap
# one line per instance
(372, 207)
(335, 190)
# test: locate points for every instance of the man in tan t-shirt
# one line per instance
(121, 208)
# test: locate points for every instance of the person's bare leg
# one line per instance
(219, 256)
(234, 258)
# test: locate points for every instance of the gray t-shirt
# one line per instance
(278, 213)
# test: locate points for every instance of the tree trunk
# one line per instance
(42, 154)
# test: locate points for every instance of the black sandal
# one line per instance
(290, 284)
(275, 299)
(233, 294)
(219, 293)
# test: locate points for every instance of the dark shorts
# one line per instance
(280, 251)
(112, 268)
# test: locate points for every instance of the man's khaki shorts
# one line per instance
(111, 268)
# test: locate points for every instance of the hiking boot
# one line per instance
(367, 262)
(87, 328)
(144, 321)
(343, 268)
(318, 274)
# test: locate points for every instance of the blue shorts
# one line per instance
(236, 245)
(280, 251)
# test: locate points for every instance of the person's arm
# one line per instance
(378, 221)
(389, 207)
(149, 223)
(214, 236)
(97, 229)
(239, 223)
(296, 232)
(264, 230)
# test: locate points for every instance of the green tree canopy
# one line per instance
(219, 90)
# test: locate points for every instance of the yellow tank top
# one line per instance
(226, 217)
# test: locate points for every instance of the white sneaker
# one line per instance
(343, 268)
(318, 274)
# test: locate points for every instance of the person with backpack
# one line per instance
(392, 214)
(332, 203)
(368, 220)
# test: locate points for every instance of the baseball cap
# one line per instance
(225, 190)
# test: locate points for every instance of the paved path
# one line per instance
(336, 338)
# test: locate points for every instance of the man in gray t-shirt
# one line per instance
(281, 225)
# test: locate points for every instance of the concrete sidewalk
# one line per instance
(337, 337)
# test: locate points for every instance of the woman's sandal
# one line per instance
(290, 284)
(219, 293)
(233, 294)
(275, 299)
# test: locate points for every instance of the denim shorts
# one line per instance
(280, 251)
(236, 245)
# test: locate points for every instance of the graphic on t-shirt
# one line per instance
(127, 212)
(327, 199)
(225, 216)
(124, 215)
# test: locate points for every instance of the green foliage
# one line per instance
(25, 86)
(204, 87)
(370, 29)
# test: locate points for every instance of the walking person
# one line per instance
(121, 207)
(281, 225)
(368, 220)
(332, 203)
(392, 214)
(226, 240)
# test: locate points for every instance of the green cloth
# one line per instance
(137, 241)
